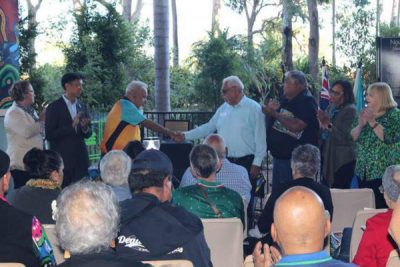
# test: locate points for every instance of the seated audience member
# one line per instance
(300, 227)
(305, 163)
(208, 198)
(22, 238)
(376, 243)
(133, 148)
(152, 228)
(231, 175)
(87, 221)
(394, 228)
(115, 167)
(45, 168)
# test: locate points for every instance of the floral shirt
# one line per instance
(373, 155)
(41, 245)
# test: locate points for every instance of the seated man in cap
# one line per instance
(300, 227)
(87, 221)
(208, 198)
(22, 238)
(153, 229)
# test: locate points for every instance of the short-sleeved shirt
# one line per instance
(373, 156)
(198, 199)
(281, 141)
(122, 126)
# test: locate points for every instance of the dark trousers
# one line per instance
(246, 162)
(344, 175)
(374, 184)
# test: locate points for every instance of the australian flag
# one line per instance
(324, 93)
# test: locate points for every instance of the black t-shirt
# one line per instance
(281, 142)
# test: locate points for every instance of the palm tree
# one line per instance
(313, 40)
(161, 55)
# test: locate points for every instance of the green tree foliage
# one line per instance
(26, 51)
(109, 51)
(214, 59)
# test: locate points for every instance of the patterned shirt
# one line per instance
(200, 198)
(231, 175)
(41, 245)
(242, 126)
(374, 155)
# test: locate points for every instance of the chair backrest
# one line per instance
(346, 204)
(394, 259)
(177, 125)
(11, 264)
(51, 235)
(248, 261)
(359, 227)
(225, 240)
(170, 263)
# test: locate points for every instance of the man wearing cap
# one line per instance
(67, 126)
(153, 229)
(22, 238)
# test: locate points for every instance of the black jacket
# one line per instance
(151, 230)
(16, 243)
(266, 219)
(67, 141)
(102, 259)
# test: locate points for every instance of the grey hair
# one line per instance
(135, 85)
(87, 217)
(115, 167)
(390, 186)
(306, 160)
(217, 142)
(298, 76)
(234, 80)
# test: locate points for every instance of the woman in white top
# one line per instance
(23, 128)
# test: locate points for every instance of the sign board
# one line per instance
(388, 63)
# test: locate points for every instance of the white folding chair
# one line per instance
(225, 240)
(346, 204)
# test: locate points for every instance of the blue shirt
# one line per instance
(231, 175)
(242, 126)
(317, 259)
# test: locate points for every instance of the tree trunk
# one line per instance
(161, 54)
(334, 33)
(287, 35)
(313, 41)
(138, 9)
(378, 17)
(215, 17)
(393, 19)
(32, 23)
(175, 33)
(127, 9)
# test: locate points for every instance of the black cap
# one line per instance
(153, 159)
(4, 163)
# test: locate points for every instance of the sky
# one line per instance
(194, 21)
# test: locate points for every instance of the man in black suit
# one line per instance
(67, 125)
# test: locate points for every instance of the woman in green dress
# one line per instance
(377, 137)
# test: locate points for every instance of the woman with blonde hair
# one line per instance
(377, 137)
(24, 128)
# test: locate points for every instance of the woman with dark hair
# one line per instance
(338, 148)
(23, 128)
(46, 171)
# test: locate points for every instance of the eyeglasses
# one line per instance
(335, 93)
(381, 190)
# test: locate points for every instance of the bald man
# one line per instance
(300, 227)
(124, 120)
